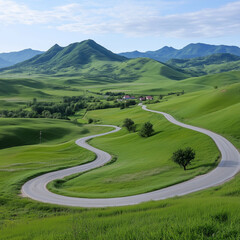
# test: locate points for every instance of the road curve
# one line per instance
(227, 168)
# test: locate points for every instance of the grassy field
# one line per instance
(141, 164)
(57, 150)
(217, 109)
(152, 79)
(210, 214)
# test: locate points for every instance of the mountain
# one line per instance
(15, 57)
(161, 55)
(215, 63)
(192, 50)
(4, 63)
(76, 55)
(88, 61)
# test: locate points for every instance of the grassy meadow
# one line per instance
(139, 164)
(217, 110)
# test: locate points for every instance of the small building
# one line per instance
(142, 99)
(127, 97)
(149, 98)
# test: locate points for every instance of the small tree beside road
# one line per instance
(129, 124)
(183, 157)
(147, 130)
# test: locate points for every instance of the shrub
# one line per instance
(147, 130)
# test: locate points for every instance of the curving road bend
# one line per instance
(227, 168)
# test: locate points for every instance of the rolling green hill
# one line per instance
(216, 63)
(67, 70)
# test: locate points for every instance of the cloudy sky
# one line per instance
(119, 25)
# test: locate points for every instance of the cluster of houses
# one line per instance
(127, 97)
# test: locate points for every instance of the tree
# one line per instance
(34, 101)
(147, 130)
(183, 157)
(90, 120)
(129, 124)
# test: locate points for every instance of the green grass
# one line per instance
(142, 164)
(216, 109)
(210, 214)
(22, 162)
(58, 149)
(18, 132)
(136, 76)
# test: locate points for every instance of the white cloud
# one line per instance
(127, 17)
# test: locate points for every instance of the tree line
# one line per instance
(62, 110)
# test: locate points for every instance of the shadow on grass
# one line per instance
(157, 132)
(211, 165)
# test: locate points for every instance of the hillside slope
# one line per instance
(215, 63)
(216, 109)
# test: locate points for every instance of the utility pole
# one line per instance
(40, 137)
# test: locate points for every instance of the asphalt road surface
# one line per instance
(227, 168)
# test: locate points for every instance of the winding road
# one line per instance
(229, 165)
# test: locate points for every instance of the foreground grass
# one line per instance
(210, 214)
(141, 164)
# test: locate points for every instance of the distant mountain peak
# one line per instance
(55, 46)
(192, 50)
(19, 56)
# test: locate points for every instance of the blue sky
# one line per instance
(124, 25)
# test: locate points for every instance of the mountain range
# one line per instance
(92, 61)
(190, 51)
(87, 63)
(11, 58)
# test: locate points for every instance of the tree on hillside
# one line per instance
(129, 124)
(147, 130)
(183, 157)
